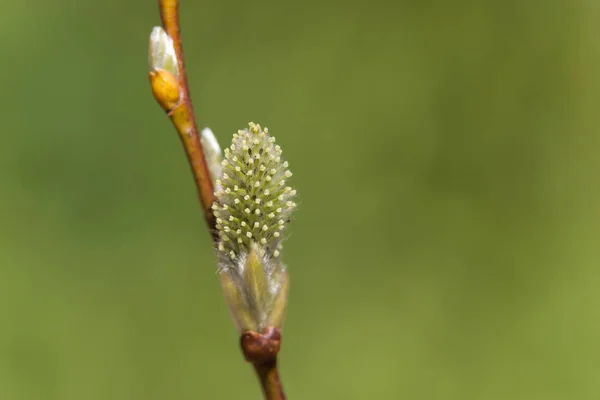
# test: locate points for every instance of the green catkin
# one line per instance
(253, 201)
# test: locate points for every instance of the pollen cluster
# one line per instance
(253, 201)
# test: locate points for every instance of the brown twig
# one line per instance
(261, 350)
(173, 95)
(182, 116)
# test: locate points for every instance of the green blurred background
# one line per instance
(445, 153)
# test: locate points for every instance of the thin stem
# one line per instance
(182, 116)
(269, 380)
(261, 350)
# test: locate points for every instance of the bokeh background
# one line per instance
(446, 158)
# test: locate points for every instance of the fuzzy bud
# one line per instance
(161, 52)
(252, 209)
(212, 153)
(164, 71)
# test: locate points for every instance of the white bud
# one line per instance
(212, 154)
(161, 52)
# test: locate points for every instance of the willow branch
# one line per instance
(170, 88)
(182, 115)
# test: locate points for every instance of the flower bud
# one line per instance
(161, 52)
(252, 209)
(212, 153)
(164, 70)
